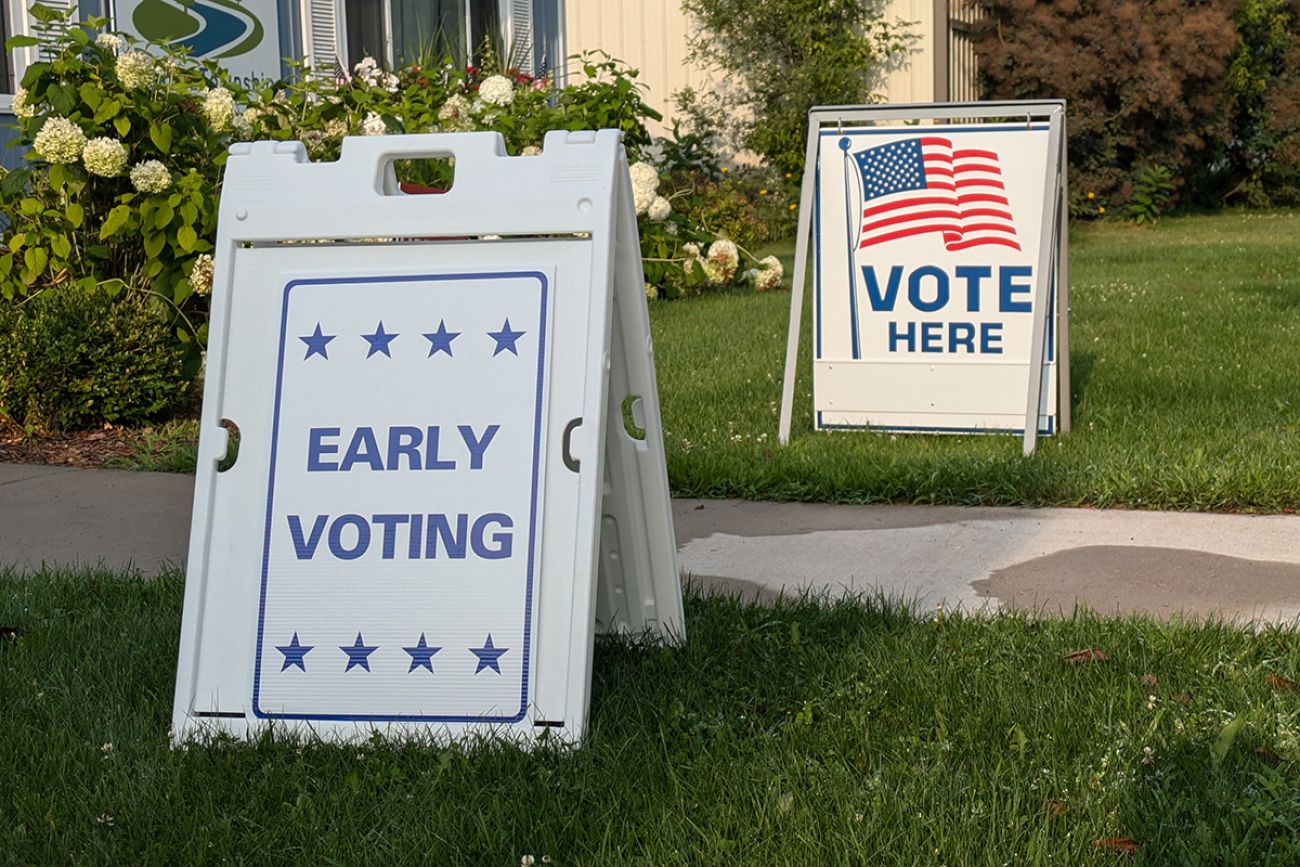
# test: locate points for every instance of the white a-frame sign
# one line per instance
(436, 502)
(937, 236)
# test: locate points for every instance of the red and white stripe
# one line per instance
(982, 201)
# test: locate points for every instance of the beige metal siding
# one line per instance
(912, 79)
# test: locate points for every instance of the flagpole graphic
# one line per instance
(851, 246)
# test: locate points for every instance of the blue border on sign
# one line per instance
(817, 273)
(532, 518)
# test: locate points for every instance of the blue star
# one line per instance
(379, 341)
(505, 339)
(440, 340)
(421, 655)
(316, 343)
(488, 655)
(293, 653)
(358, 653)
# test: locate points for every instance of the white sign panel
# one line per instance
(436, 503)
(934, 262)
(242, 35)
(402, 510)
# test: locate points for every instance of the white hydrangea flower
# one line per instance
(456, 114)
(373, 125)
(111, 41)
(136, 70)
(104, 156)
(659, 209)
(690, 251)
(645, 185)
(201, 274)
(497, 90)
(21, 107)
(59, 141)
(219, 109)
(530, 151)
(670, 228)
(769, 274)
(150, 176)
(366, 64)
(721, 263)
(337, 128)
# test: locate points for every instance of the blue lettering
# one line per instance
(504, 541)
(431, 452)
(316, 447)
(940, 293)
(932, 337)
(886, 301)
(961, 334)
(991, 338)
(389, 523)
(909, 336)
(404, 441)
(1006, 288)
(363, 449)
(475, 445)
(973, 274)
(305, 549)
(413, 545)
(336, 534)
(454, 544)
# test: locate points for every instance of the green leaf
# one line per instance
(187, 238)
(6, 264)
(161, 136)
(122, 124)
(1222, 744)
(14, 182)
(75, 214)
(107, 111)
(61, 246)
(79, 36)
(114, 287)
(21, 42)
(163, 216)
(115, 220)
(154, 243)
(47, 15)
(36, 259)
(63, 97)
(17, 240)
(58, 176)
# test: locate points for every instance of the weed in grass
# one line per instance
(802, 732)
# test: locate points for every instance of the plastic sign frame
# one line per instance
(867, 173)
(436, 503)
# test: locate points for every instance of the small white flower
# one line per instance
(136, 70)
(530, 151)
(374, 125)
(456, 114)
(721, 263)
(670, 228)
(366, 64)
(1148, 756)
(497, 90)
(150, 176)
(104, 156)
(691, 251)
(201, 274)
(337, 128)
(21, 107)
(645, 185)
(111, 41)
(526, 861)
(219, 109)
(59, 141)
(106, 748)
(659, 209)
(769, 274)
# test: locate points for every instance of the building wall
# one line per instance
(652, 36)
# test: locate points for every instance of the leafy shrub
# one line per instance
(1153, 188)
(73, 358)
(750, 206)
(781, 58)
(122, 179)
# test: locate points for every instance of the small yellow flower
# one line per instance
(1091, 196)
(793, 206)
(788, 176)
(763, 192)
(724, 170)
(1101, 210)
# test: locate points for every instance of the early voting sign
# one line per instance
(436, 502)
(936, 241)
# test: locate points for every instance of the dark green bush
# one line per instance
(749, 206)
(73, 359)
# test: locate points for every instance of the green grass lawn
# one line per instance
(796, 733)
(1186, 377)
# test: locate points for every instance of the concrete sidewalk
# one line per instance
(1162, 563)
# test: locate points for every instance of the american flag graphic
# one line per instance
(921, 185)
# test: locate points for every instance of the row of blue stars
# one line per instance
(439, 341)
(358, 653)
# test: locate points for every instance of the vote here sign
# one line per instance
(928, 241)
(402, 520)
